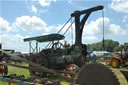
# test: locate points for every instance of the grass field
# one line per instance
(19, 71)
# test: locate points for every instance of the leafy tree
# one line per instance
(110, 45)
(125, 44)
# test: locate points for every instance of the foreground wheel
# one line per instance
(71, 68)
(42, 61)
(115, 63)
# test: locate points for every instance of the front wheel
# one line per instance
(115, 63)
(73, 69)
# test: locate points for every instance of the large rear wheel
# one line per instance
(42, 61)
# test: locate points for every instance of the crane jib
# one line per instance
(79, 22)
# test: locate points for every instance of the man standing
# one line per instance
(94, 57)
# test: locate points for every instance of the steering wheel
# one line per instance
(57, 45)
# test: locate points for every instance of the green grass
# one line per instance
(19, 71)
(25, 72)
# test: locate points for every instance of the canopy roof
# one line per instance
(46, 38)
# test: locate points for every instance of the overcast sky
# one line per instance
(20, 19)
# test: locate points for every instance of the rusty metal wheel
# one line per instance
(71, 68)
(42, 61)
(3, 69)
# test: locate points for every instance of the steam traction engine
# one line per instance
(58, 56)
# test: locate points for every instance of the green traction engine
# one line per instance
(57, 55)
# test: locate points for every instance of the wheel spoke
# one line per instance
(71, 68)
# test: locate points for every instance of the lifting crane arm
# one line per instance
(80, 24)
(100, 7)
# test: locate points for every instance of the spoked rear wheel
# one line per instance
(71, 68)
(42, 61)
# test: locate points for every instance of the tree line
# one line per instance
(109, 45)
